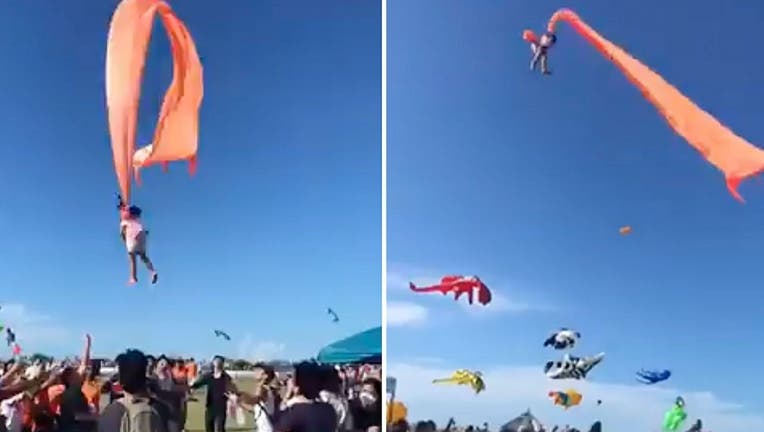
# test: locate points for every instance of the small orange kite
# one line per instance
(177, 130)
(625, 230)
(734, 156)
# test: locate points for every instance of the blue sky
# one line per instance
(282, 220)
(525, 180)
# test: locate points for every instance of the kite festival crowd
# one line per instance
(526, 422)
(137, 392)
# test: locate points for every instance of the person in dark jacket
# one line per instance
(218, 384)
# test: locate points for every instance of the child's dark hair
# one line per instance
(132, 370)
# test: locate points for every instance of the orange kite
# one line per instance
(735, 157)
(177, 130)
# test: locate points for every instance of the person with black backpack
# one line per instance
(137, 411)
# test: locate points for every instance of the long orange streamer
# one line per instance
(177, 130)
(734, 156)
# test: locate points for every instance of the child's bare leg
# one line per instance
(146, 261)
(133, 270)
(149, 266)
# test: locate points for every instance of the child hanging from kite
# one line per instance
(540, 50)
(134, 235)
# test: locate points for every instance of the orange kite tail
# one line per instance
(177, 129)
(734, 156)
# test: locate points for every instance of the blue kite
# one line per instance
(653, 377)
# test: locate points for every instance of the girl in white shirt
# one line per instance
(134, 235)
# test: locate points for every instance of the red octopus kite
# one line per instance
(177, 129)
(732, 155)
(459, 285)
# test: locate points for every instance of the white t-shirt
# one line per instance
(262, 422)
(11, 410)
(339, 405)
(132, 227)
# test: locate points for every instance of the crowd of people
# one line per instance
(526, 422)
(151, 394)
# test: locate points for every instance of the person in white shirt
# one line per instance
(12, 410)
(340, 407)
(264, 401)
(134, 235)
(330, 393)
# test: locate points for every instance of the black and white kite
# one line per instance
(563, 338)
(572, 367)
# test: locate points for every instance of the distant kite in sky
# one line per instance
(464, 377)
(222, 334)
(333, 315)
(652, 377)
(177, 129)
(675, 416)
(572, 367)
(624, 230)
(696, 427)
(458, 285)
(566, 399)
(563, 339)
(732, 155)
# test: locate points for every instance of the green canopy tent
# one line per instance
(364, 347)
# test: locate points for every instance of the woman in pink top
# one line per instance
(134, 236)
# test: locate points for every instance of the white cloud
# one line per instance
(251, 350)
(511, 390)
(33, 328)
(405, 313)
